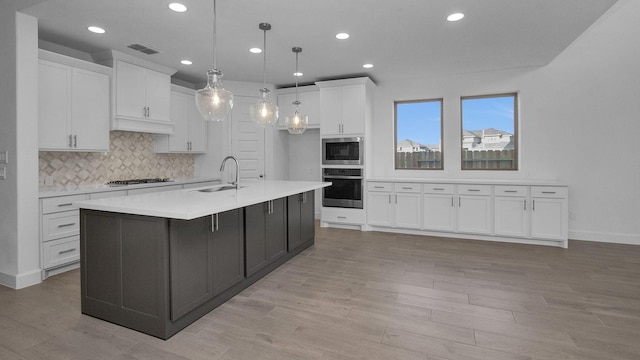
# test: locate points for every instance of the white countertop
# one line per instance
(189, 204)
(87, 189)
(534, 182)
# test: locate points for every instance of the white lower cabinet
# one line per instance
(438, 208)
(521, 212)
(394, 205)
(511, 211)
(549, 213)
(474, 209)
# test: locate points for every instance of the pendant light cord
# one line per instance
(264, 60)
(297, 75)
(214, 35)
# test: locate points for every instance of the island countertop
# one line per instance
(188, 204)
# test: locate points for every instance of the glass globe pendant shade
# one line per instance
(297, 122)
(264, 112)
(213, 101)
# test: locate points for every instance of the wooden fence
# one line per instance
(485, 159)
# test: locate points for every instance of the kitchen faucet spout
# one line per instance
(224, 161)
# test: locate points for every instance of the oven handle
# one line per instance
(341, 177)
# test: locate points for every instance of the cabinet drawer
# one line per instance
(62, 203)
(474, 189)
(379, 186)
(549, 191)
(59, 225)
(407, 187)
(60, 252)
(507, 190)
(344, 216)
(439, 189)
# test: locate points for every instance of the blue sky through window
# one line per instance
(420, 121)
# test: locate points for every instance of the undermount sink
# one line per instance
(219, 188)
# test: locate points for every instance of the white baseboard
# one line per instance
(632, 239)
(21, 280)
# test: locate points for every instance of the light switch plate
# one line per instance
(3, 173)
(4, 157)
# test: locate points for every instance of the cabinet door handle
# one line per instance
(396, 198)
(389, 198)
(304, 198)
(70, 140)
(148, 111)
(214, 222)
(66, 251)
(459, 202)
(533, 205)
(525, 204)
(75, 141)
(66, 225)
(452, 201)
(65, 204)
(144, 111)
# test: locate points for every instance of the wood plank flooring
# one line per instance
(371, 295)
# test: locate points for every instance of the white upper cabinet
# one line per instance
(142, 94)
(73, 104)
(189, 128)
(309, 97)
(345, 106)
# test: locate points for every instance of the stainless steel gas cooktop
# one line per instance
(137, 181)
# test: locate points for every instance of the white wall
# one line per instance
(578, 124)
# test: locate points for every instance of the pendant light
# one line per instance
(213, 101)
(296, 121)
(264, 112)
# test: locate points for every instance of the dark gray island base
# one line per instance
(158, 275)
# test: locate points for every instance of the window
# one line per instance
(490, 132)
(418, 134)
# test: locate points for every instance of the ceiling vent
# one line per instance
(142, 48)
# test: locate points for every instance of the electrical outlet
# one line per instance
(48, 180)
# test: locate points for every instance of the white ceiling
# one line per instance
(402, 38)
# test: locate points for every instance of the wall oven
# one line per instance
(343, 151)
(346, 188)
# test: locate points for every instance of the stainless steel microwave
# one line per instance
(343, 151)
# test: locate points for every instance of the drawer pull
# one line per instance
(473, 190)
(342, 217)
(548, 192)
(65, 204)
(511, 191)
(378, 187)
(66, 225)
(407, 188)
(439, 189)
(66, 251)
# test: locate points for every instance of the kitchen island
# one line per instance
(158, 262)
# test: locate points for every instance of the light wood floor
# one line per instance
(369, 295)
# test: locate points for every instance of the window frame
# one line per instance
(516, 131)
(395, 132)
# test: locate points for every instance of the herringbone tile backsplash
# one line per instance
(131, 156)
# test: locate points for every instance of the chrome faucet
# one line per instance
(224, 161)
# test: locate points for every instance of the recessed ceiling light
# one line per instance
(342, 36)
(255, 50)
(186, 62)
(367, 66)
(297, 74)
(455, 17)
(95, 29)
(177, 7)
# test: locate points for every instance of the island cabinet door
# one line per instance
(300, 219)
(228, 250)
(266, 234)
(191, 264)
